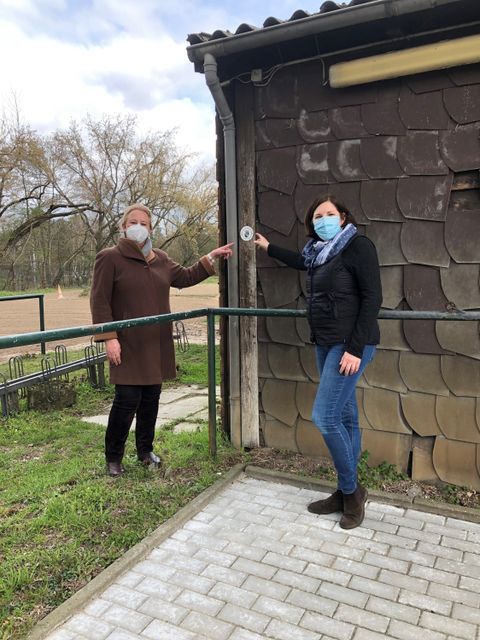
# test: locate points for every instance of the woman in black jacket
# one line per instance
(344, 296)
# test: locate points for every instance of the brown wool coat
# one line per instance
(126, 286)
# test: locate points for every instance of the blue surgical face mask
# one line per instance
(327, 227)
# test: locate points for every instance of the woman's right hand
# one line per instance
(261, 241)
(114, 351)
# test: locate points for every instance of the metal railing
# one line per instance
(210, 313)
(41, 310)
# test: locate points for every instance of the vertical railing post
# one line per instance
(212, 395)
(41, 309)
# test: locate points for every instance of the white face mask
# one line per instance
(137, 232)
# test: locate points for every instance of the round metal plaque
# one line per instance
(246, 233)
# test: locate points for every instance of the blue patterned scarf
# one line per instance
(317, 252)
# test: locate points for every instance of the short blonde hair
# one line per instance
(136, 206)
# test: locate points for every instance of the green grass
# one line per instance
(63, 520)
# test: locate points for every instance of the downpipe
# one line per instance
(228, 123)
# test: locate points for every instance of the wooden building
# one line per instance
(402, 150)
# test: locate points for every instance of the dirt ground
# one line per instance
(73, 310)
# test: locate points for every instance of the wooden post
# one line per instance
(245, 126)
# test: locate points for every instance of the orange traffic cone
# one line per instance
(59, 293)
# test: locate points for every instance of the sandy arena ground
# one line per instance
(73, 310)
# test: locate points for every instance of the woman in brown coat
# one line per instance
(132, 280)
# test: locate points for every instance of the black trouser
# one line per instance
(130, 400)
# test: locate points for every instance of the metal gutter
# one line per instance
(230, 151)
(313, 25)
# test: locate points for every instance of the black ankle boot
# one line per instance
(332, 504)
(354, 508)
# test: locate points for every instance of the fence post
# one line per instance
(212, 395)
(41, 309)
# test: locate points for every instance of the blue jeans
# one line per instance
(335, 412)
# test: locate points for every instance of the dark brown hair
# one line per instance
(349, 218)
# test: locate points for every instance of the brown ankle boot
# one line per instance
(354, 508)
(330, 505)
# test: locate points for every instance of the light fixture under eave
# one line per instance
(440, 55)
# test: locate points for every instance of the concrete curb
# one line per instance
(399, 500)
(71, 606)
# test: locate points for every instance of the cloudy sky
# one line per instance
(62, 59)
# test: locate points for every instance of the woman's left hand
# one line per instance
(349, 364)
(222, 252)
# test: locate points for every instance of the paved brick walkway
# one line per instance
(255, 564)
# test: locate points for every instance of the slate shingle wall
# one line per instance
(404, 155)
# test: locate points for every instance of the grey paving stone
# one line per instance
(272, 545)
(321, 624)
(215, 557)
(242, 617)
(89, 627)
(327, 573)
(124, 596)
(234, 595)
(126, 618)
(404, 582)
(312, 602)
(425, 602)
(245, 551)
(223, 574)
(362, 618)
(462, 568)
(154, 569)
(297, 581)
(280, 630)
(446, 625)
(472, 584)
(343, 594)
(463, 524)
(277, 609)
(418, 557)
(62, 634)
(441, 552)
(464, 545)
(201, 623)
(414, 514)
(434, 575)
(356, 568)
(198, 583)
(266, 587)
(342, 551)
(454, 595)
(314, 557)
(374, 588)
(199, 602)
(158, 630)
(163, 610)
(405, 631)
(368, 545)
(467, 614)
(284, 562)
(121, 634)
(366, 634)
(129, 579)
(403, 521)
(97, 607)
(243, 634)
(254, 568)
(393, 609)
(395, 540)
(385, 562)
(159, 588)
(459, 534)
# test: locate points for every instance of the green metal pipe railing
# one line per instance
(210, 313)
(41, 309)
